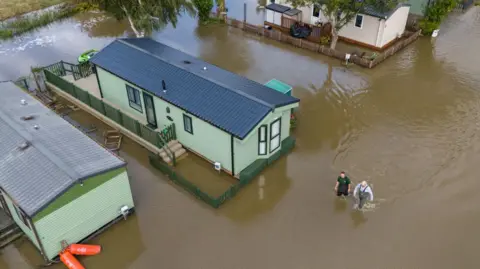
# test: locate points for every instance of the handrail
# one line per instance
(167, 149)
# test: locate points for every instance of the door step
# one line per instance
(178, 151)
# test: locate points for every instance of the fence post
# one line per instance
(62, 68)
(244, 12)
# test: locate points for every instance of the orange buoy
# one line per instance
(79, 249)
(70, 261)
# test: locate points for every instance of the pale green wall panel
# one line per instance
(85, 215)
(246, 151)
(28, 232)
(115, 92)
(207, 140)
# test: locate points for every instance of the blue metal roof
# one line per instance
(228, 101)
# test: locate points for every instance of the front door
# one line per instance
(150, 111)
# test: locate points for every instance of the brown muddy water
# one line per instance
(410, 127)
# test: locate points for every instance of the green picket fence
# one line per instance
(246, 176)
(158, 139)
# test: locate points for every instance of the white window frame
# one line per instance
(279, 135)
(262, 140)
(355, 22)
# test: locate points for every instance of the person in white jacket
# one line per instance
(363, 192)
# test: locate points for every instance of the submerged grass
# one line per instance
(11, 8)
(12, 28)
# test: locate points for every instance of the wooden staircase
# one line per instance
(113, 139)
(176, 149)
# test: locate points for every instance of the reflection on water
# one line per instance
(408, 126)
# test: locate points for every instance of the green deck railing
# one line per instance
(246, 176)
(159, 139)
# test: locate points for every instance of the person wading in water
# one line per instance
(342, 187)
(363, 192)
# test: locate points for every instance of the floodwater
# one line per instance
(410, 127)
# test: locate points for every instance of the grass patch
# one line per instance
(28, 23)
(212, 20)
(11, 8)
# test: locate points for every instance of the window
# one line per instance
(168, 109)
(187, 124)
(359, 21)
(262, 140)
(22, 216)
(169, 118)
(134, 98)
(316, 11)
(275, 129)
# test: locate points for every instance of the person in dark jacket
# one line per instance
(342, 187)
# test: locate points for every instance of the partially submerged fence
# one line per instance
(246, 175)
(395, 48)
(159, 139)
(316, 47)
(78, 71)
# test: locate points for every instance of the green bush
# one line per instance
(204, 8)
(324, 40)
(435, 13)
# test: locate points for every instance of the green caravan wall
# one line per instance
(207, 140)
(246, 151)
(27, 230)
(90, 210)
(115, 92)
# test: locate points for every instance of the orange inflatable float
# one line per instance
(79, 249)
(70, 261)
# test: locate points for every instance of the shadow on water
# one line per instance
(261, 196)
(340, 205)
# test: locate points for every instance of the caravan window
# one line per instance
(359, 21)
(134, 98)
(262, 140)
(275, 134)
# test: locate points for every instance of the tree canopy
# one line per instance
(145, 16)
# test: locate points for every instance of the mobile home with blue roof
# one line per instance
(221, 116)
(56, 183)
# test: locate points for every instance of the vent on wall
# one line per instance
(187, 62)
(164, 87)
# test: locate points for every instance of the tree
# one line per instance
(341, 12)
(435, 13)
(145, 16)
(204, 8)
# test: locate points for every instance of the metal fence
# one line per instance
(78, 71)
(159, 139)
(246, 175)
